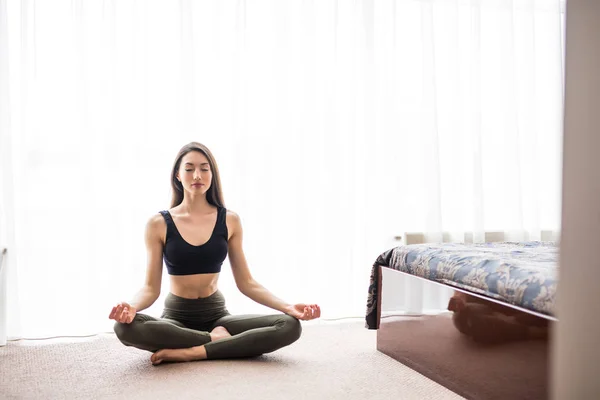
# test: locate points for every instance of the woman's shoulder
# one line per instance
(232, 215)
(156, 221)
(234, 223)
(156, 228)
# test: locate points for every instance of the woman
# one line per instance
(194, 238)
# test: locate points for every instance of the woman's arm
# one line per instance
(250, 287)
(147, 295)
(243, 279)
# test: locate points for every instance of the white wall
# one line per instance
(576, 356)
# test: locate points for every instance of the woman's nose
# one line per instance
(196, 175)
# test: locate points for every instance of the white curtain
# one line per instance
(336, 125)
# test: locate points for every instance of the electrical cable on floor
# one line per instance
(100, 333)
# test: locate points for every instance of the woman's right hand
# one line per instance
(123, 313)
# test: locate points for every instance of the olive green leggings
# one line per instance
(187, 322)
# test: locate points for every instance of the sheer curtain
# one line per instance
(336, 125)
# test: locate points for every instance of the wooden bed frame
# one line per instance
(431, 345)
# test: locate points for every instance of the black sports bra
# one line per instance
(182, 258)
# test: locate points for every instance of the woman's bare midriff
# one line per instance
(194, 286)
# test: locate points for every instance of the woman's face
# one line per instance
(194, 173)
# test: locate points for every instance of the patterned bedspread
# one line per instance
(523, 273)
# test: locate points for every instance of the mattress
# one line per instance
(524, 274)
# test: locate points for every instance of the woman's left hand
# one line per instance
(304, 312)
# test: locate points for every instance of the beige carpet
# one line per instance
(330, 361)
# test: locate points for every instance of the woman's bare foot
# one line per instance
(178, 355)
(189, 354)
(219, 333)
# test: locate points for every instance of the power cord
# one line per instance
(106, 332)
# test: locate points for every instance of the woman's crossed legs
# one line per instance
(231, 336)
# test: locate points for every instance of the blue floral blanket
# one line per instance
(520, 273)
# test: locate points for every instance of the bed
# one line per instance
(491, 341)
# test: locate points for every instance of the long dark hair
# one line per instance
(214, 195)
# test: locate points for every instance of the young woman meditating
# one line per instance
(194, 237)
